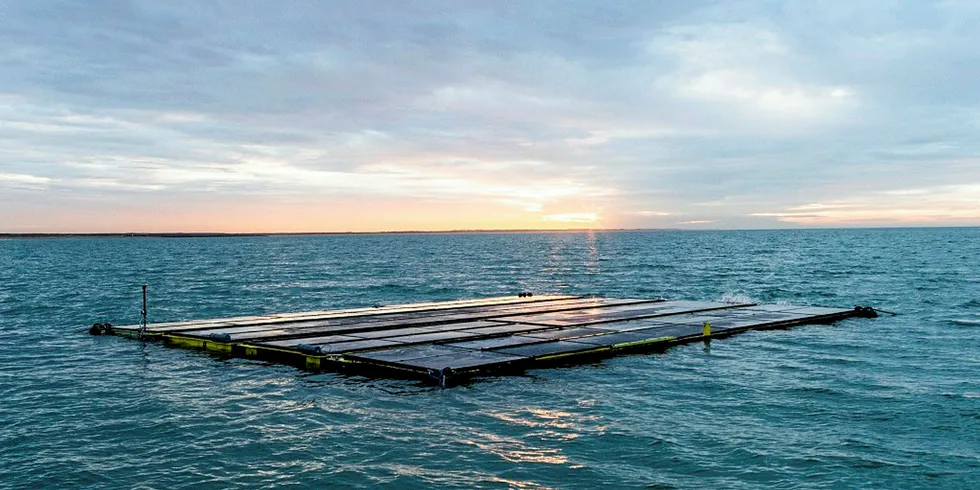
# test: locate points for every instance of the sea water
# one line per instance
(892, 402)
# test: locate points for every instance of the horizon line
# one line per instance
(208, 234)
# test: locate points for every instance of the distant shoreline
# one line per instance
(419, 232)
(313, 233)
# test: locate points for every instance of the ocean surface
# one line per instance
(892, 402)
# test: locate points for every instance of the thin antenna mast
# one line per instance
(143, 316)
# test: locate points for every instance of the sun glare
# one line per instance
(579, 218)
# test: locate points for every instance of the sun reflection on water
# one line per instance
(446, 476)
(592, 260)
(549, 429)
(516, 451)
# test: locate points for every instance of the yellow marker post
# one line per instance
(707, 329)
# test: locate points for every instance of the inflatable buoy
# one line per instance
(101, 329)
(866, 312)
(310, 349)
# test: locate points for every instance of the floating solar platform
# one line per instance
(450, 341)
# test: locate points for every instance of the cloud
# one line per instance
(739, 113)
(748, 69)
(583, 218)
(930, 205)
(23, 180)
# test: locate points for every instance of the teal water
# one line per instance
(892, 402)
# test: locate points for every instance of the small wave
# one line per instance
(735, 298)
(965, 323)
(960, 395)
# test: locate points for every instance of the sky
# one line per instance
(289, 116)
